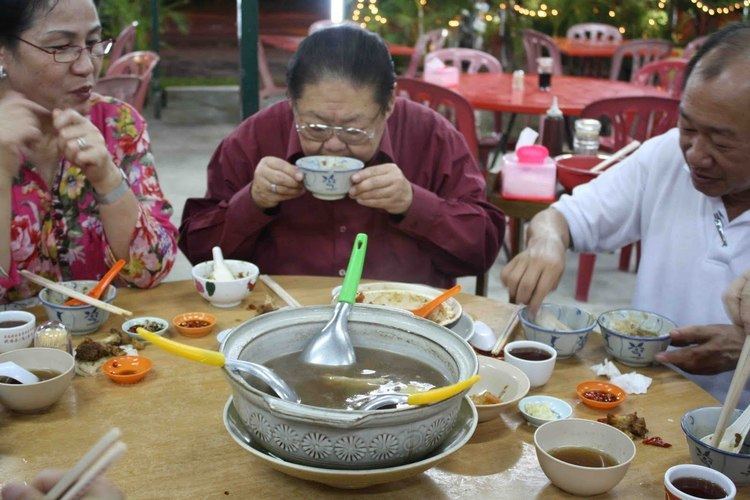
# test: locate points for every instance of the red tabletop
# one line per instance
(290, 44)
(585, 49)
(492, 91)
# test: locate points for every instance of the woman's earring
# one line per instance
(3, 73)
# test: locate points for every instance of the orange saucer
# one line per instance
(596, 385)
(127, 369)
(194, 324)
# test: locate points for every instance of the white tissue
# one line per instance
(606, 368)
(632, 383)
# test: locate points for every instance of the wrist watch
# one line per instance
(116, 193)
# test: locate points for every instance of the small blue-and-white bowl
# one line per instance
(328, 177)
(619, 329)
(79, 320)
(701, 422)
(566, 343)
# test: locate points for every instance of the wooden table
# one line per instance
(178, 447)
(290, 44)
(577, 48)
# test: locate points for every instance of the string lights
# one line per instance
(716, 11)
(367, 11)
(543, 11)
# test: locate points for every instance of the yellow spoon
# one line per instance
(215, 358)
(420, 398)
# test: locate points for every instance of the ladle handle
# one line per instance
(354, 270)
(205, 356)
(436, 395)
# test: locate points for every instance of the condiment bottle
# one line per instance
(517, 81)
(586, 139)
(544, 69)
(553, 129)
(53, 334)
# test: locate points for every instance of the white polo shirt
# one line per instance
(684, 267)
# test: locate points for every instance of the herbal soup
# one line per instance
(375, 372)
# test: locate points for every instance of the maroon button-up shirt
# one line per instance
(450, 229)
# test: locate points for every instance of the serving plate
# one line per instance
(466, 423)
(399, 296)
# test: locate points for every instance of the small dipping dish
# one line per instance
(153, 324)
(194, 324)
(595, 394)
(502, 380)
(127, 369)
(558, 408)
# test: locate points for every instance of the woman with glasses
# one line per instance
(421, 196)
(78, 189)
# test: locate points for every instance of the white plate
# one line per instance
(466, 423)
(464, 327)
(20, 305)
(381, 289)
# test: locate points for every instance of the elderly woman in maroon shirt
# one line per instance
(420, 198)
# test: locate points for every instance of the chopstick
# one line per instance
(616, 156)
(279, 290)
(505, 335)
(739, 379)
(103, 454)
(69, 292)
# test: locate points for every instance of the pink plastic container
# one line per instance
(529, 174)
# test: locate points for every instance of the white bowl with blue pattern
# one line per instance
(328, 177)
(701, 422)
(79, 320)
(566, 343)
(632, 349)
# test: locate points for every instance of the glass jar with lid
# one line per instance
(586, 138)
(53, 334)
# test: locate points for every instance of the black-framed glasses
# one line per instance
(73, 52)
(321, 133)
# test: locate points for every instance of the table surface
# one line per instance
(290, 44)
(178, 447)
(577, 48)
(492, 91)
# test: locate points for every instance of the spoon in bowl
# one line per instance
(102, 285)
(221, 271)
(418, 398)
(214, 358)
(424, 310)
(10, 369)
(734, 435)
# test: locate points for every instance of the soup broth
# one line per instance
(42, 374)
(701, 488)
(585, 457)
(11, 324)
(374, 372)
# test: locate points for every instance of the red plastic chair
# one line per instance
(535, 43)
(458, 111)
(631, 118)
(125, 42)
(124, 88)
(667, 74)
(427, 42)
(594, 33)
(140, 64)
(642, 52)
(267, 86)
(693, 46)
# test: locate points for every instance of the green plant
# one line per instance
(116, 14)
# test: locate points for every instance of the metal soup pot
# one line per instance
(347, 439)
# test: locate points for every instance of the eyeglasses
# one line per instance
(321, 133)
(73, 52)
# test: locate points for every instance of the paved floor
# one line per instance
(182, 153)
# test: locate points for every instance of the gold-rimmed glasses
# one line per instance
(73, 52)
(321, 133)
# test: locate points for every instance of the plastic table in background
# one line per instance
(290, 44)
(574, 48)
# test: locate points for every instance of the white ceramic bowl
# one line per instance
(539, 372)
(560, 408)
(583, 481)
(153, 320)
(701, 422)
(17, 337)
(630, 349)
(696, 471)
(566, 343)
(31, 398)
(407, 296)
(500, 378)
(328, 177)
(225, 293)
(79, 320)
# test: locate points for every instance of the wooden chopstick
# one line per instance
(616, 156)
(279, 290)
(739, 379)
(103, 454)
(506, 333)
(69, 292)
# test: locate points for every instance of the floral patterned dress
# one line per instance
(57, 232)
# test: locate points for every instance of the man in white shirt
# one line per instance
(686, 196)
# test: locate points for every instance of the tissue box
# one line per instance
(445, 76)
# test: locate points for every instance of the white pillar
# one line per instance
(337, 11)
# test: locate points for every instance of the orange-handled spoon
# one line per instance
(102, 285)
(426, 309)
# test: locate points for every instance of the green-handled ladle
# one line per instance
(332, 345)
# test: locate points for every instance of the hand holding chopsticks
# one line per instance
(68, 292)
